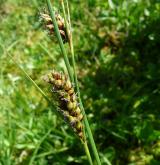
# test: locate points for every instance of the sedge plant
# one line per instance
(72, 79)
(72, 75)
(54, 81)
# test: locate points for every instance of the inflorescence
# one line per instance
(49, 25)
(67, 101)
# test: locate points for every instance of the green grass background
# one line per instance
(117, 48)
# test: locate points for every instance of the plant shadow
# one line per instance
(124, 92)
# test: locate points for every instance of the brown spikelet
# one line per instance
(67, 101)
(49, 25)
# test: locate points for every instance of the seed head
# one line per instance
(50, 27)
(67, 101)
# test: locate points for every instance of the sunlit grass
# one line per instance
(118, 81)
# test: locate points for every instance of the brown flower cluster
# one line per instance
(49, 25)
(67, 101)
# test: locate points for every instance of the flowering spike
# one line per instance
(49, 25)
(67, 101)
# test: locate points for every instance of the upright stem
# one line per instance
(87, 152)
(77, 86)
(89, 132)
(52, 14)
(66, 22)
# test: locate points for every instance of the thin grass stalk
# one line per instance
(68, 13)
(87, 152)
(93, 145)
(52, 14)
(26, 74)
(46, 51)
(32, 81)
(69, 34)
(38, 146)
(66, 22)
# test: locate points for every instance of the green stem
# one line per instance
(38, 146)
(65, 20)
(93, 145)
(89, 132)
(87, 152)
(52, 14)
(32, 81)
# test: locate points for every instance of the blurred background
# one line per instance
(117, 47)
